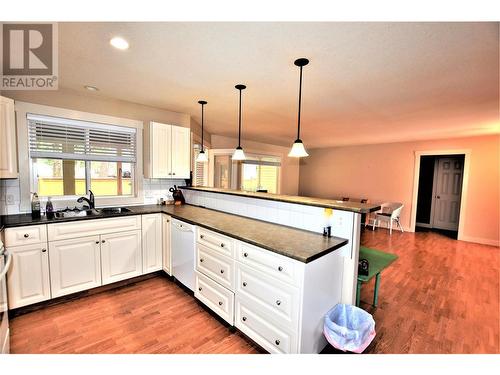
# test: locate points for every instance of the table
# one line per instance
(378, 261)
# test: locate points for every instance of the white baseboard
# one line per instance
(483, 241)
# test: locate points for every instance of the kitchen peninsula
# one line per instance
(261, 264)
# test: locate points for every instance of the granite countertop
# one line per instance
(357, 207)
(298, 244)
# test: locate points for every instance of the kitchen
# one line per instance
(222, 195)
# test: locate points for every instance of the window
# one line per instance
(69, 157)
(200, 174)
(260, 173)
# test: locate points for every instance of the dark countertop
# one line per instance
(298, 244)
(360, 208)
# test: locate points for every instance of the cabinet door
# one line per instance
(28, 279)
(121, 256)
(75, 265)
(8, 151)
(167, 254)
(151, 243)
(181, 152)
(160, 150)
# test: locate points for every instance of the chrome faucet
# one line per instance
(91, 201)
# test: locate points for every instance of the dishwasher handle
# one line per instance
(7, 264)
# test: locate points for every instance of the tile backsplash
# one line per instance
(153, 189)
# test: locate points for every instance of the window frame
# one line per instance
(26, 168)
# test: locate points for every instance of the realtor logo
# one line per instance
(29, 56)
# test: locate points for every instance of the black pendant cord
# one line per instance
(239, 87)
(202, 127)
(239, 122)
(202, 102)
(300, 103)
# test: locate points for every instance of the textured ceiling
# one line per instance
(366, 82)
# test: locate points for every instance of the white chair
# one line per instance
(389, 212)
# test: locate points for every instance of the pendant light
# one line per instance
(298, 150)
(238, 152)
(202, 156)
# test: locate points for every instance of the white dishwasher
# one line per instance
(183, 249)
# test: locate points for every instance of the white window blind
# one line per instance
(60, 138)
(270, 161)
(200, 169)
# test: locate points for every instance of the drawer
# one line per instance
(85, 228)
(28, 235)
(216, 266)
(216, 297)
(254, 323)
(275, 297)
(224, 245)
(278, 266)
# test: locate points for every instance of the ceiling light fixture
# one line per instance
(298, 150)
(238, 152)
(202, 156)
(91, 88)
(119, 43)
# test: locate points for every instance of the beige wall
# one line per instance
(289, 166)
(97, 103)
(384, 172)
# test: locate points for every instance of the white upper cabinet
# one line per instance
(168, 151)
(181, 152)
(152, 243)
(8, 149)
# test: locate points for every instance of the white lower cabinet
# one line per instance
(152, 243)
(167, 244)
(75, 265)
(216, 297)
(121, 256)
(28, 279)
(257, 325)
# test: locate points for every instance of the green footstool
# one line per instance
(378, 261)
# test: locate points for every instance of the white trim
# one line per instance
(25, 175)
(465, 184)
(483, 241)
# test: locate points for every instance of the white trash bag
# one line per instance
(349, 328)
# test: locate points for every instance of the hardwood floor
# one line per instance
(151, 316)
(440, 296)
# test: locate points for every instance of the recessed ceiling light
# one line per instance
(119, 43)
(91, 88)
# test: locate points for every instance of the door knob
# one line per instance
(244, 284)
(278, 302)
(221, 271)
(220, 303)
(244, 318)
(438, 197)
(26, 235)
(199, 288)
(44, 250)
(277, 342)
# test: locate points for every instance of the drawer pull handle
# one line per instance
(244, 318)
(244, 284)
(245, 255)
(280, 268)
(220, 303)
(97, 242)
(221, 245)
(200, 288)
(201, 260)
(44, 250)
(277, 342)
(202, 236)
(168, 221)
(26, 235)
(103, 241)
(278, 302)
(221, 271)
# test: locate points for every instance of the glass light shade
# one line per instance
(238, 154)
(202, 157)
(298, 150)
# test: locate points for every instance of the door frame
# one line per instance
(465, 183)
